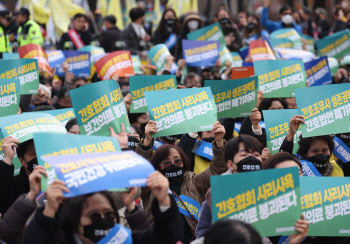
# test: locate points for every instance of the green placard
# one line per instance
(209, 33)
(336, 45)
(66, 144)
(281, 42)
(26, 70)
(158, 55)
(181, 110)
(325, 202)
(290, 34)
(63, 115)
(333, 65)
(326, 109)
(269, 200)
(136, 63)
(99, 106)
(9, 96)
(234, 98)
(237, 60)
(140, 84)
(277, 127)
(309, 42)
(279, 78)
(10, 56)
(225, 55)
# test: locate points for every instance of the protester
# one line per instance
(283, 160)
(89, 218)
(72, 127)
(110, 34)
(340, 20)
(77, 34)
(63, 98)
(323, 26)
(134, 35)
(174, 164)
(168, 31)
(28, 31)
(286, 17)
(254, 31)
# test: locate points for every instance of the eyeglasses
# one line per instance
(177, 162)
(95, 217)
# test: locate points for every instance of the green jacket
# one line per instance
(4, 41)
(29, 33)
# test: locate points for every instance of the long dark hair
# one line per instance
(251, 144)
(162, 24)
(163, 152)
(70, 211)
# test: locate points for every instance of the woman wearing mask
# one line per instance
(174, 164)
(168, 30)
(254, 30)
(316, 149)
(89, 218)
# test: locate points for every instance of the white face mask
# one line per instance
(193, 24)
(287, 19)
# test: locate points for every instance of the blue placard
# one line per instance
(341, 150)
(117, 235)
(318, 72)
(78, 63)
(56, 58)
(192, 205)
(243, 52)
(200, 53)
(205, 150)
(309, 169)
(93, 172)
(247, 64)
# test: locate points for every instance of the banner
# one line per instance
(281, 43)
(56, 58)
(269, 200)
(181, 111)
(336, 45)
(277, 127)
(309, 169)
(279, 78)
(115, 63)
(78, 63)
(36, 52)
(26, 70)
(234, 98)
(191, 205)
(326, 113)
(237, 60)
(341, 150)
(318, 72)
(117, 235)
(326, 205)
(22, 126)
(140, 84)
(242, 72)
(63, 115)
(205, 150)
(309, 42)
(93, 172)
(53, 144)
(260, 50)
(10, 56)
(291, 54)
(136, 63)
(200, 53)
(211, 32)
(157, 55)
(102, 108)
(9, 96)
(290, 34)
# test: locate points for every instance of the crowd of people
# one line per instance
(151, 212)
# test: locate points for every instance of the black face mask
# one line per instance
(96, 231)
(174, 173)
(209, 139)
(132, 142)
(31, 164)
(224, 21)
(250, 163)
(320, 161)
(170, 22)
